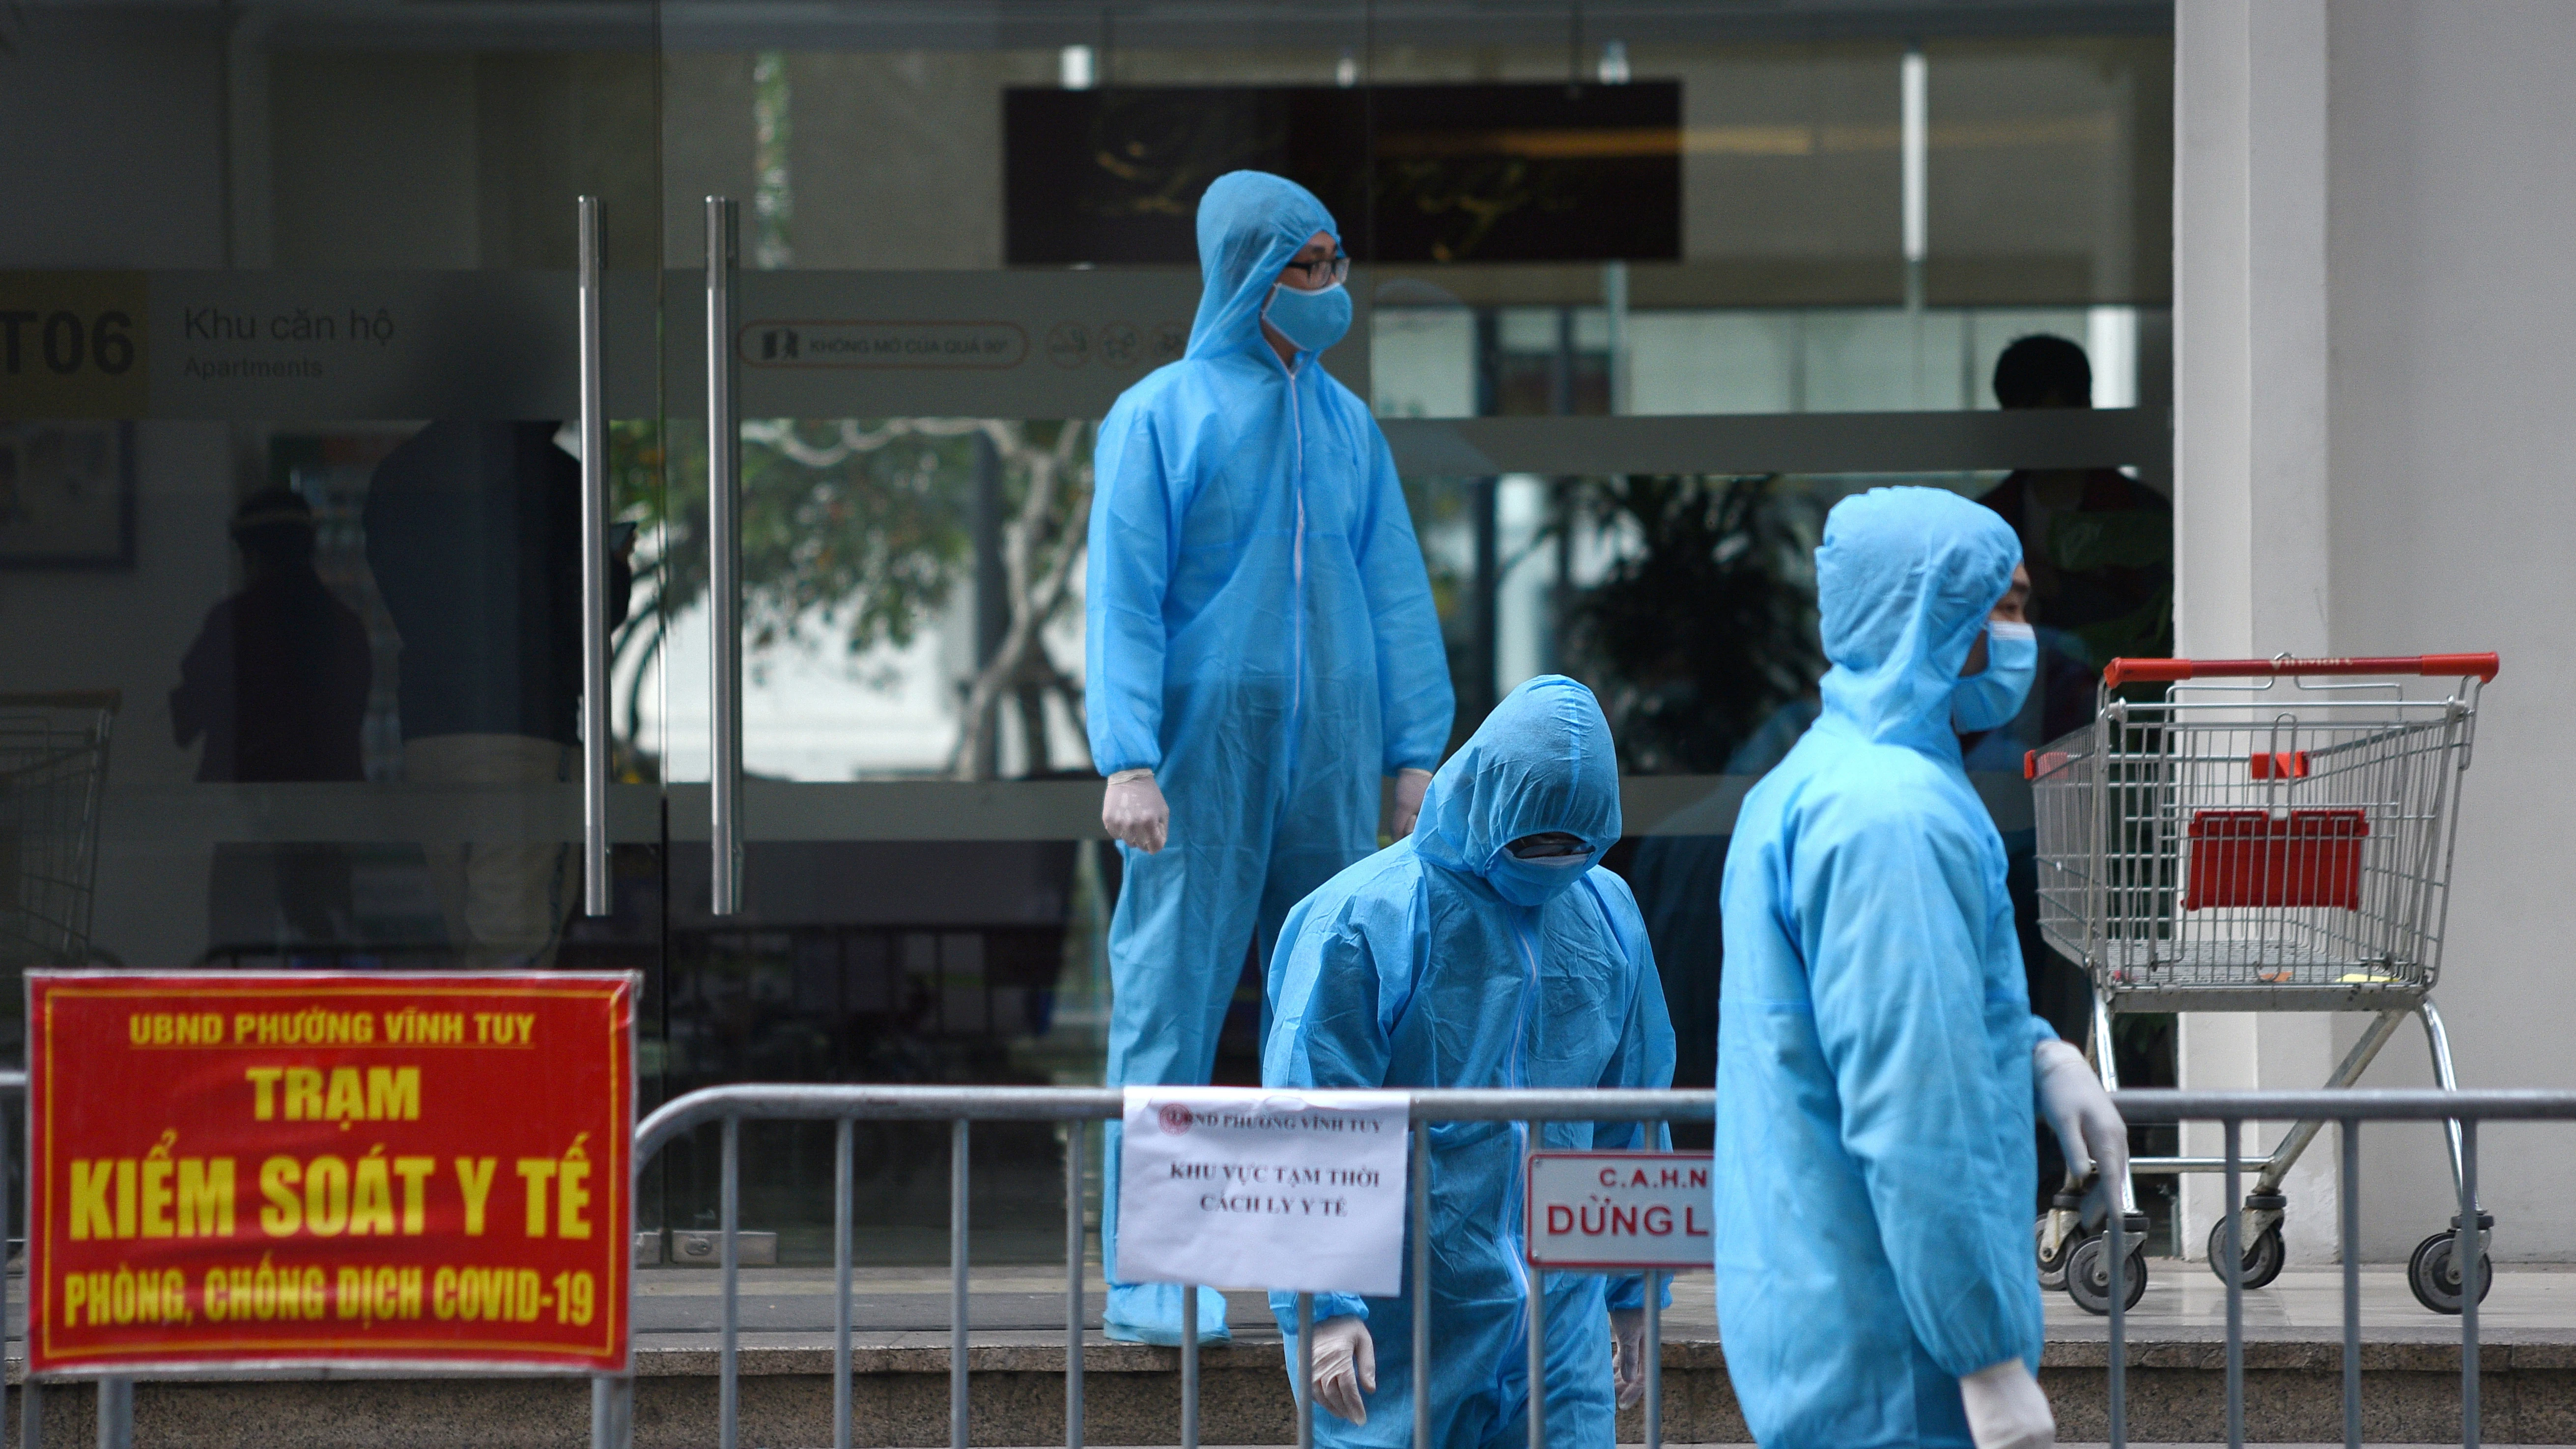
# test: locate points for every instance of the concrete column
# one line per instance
(2253, 553)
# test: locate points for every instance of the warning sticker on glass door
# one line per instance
(806, 343)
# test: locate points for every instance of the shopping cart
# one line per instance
(2236, 847)
(53, 766)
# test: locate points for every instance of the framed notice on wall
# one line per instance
(234, 1171)
(66, 495)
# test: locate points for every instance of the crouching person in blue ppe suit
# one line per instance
(1878, 1062)
(1489, 950)
(1262, 650)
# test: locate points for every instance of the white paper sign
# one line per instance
(1243, 1187)
(1612, 1210)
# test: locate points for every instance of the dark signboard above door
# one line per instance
(1418, 173)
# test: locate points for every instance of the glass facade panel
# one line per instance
(1609, 276)
(344, 640)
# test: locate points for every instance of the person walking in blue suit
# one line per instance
(1877, 1060)
(1261, 650)
(1489, 950)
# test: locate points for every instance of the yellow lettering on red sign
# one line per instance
(156, 1196)
(390, 1094)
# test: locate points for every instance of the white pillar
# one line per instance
(2252, 552)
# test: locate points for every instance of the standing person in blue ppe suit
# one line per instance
(1261, 650)
(1878, 1062)
(1489, 950)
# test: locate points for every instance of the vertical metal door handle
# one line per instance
(594, 582)
(724, 563)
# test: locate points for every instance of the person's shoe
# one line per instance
(1151, 1313)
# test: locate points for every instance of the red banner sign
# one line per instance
(231, 1170)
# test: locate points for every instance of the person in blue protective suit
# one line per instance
(1261, 650)
(1878, 1062)
(1489, 950)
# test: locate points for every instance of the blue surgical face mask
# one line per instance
(1989, 699)
(1533, 882)
(1311, 320)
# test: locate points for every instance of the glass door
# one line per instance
(305, 561)
(1638, 298)
(916, 370)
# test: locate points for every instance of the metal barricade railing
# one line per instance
(2347, 1108)
(729, 1107)
(1076, 1107)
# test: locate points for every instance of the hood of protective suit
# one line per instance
(1251, 224)
(1904, 581)
(1541, 761)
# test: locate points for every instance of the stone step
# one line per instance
(2177, 1394)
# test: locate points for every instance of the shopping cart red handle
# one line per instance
(2167, 671)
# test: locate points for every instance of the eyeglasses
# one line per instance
(1328, 272)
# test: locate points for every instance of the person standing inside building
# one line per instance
(2097, 546)
(276, 685)
(1261, 650)
(2097, 542)
(1878, 1065)
(474, 536)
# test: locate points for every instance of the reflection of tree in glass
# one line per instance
(1440, 519)
(1471, 194)
(856, 531)
(1042, 544)
(1707, 623)
(1159, 149)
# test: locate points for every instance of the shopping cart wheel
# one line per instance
(2263, 1256)
(2434, 1274)
(2052, 1267)
(2088, 1274)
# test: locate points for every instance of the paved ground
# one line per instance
(784, 1306)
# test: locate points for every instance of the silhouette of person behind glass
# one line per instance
(276, 686)
(474, 536)
(2098, 544)
(2099, 548)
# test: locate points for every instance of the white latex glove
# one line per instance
(1132, 810)
(1628, 1354)
(2089, 1131)
(1409, 785)
(2006, 1410)
(1345, 1366)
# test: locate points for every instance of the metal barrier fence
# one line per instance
(2348, 1108)
(1076, 1107)
(612, 1402)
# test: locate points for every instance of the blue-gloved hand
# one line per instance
(1132, 810)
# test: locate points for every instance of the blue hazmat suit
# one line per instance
(1260, 635)
(1874, 1094)
(1414, 968)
